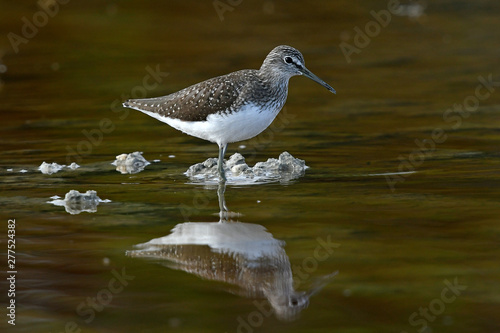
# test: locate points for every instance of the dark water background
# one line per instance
(408, 191)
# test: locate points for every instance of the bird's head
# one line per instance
(285, 61)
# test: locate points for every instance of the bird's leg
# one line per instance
(220, 162)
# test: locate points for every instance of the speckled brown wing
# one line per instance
(197, 102)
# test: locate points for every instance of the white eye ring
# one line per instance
(288, 60)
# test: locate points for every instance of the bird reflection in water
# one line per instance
(243, 255)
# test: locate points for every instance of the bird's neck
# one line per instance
(274, 86)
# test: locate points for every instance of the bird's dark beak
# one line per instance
(313, 77)
(320, 283)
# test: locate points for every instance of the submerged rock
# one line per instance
(75, 202)
(130, 163)
(207, 168)
(50, 168)
(285, 168)
(73, 166)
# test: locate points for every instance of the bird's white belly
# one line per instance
(221, 129)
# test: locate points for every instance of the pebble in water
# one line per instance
(75, 202)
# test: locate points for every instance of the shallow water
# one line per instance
(401, 196)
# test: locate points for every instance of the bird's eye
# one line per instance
(288, 60)
(294, 302)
